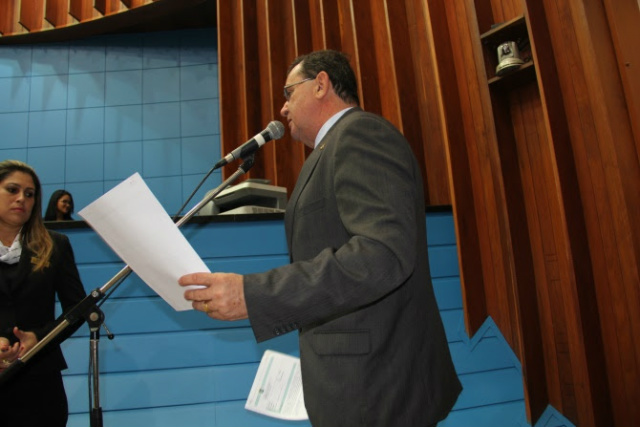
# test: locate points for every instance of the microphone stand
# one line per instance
(89, 311)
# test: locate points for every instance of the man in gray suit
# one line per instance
(372, 346)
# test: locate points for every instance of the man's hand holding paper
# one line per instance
(221, 296)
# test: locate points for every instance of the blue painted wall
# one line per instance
(88, 114)
(167, 368)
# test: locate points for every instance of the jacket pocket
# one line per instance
(341, 343)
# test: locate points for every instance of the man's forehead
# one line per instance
(295, 72)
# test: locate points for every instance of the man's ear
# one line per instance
(323, 84)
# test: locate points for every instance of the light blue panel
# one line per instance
(122, 159)
(85, 126)
(199, 47)
(161, 121)
(168, 191)
(443, 261)
(15, 92)
(489, 388)
(89, 248)
(154, 315)
(225, 414)
(448, 293)
(453, 321)
(190, 182)
(149, 389)
(97, 275)
(161, 85)
(47, 128)
(161, 50)
(123, 123)
(440, 229)
(202, 415)
(238, 239)
(490, 353)
(14, 128)
(124, 52)
(551, 417)
(49, 92)
(15, 154)
(86, 90)
(87, 57)
(123, 87)
(48, 162)
(84, 193)
(131, 353)
(161, 158)
(85, 163)
(200, 117)
(507, 414)
(50, 59)
(234, 381)
(232, 414)
(199, 82)
(199, 154)
(15, 61)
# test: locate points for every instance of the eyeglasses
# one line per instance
(287, 93)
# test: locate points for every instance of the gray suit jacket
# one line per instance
(372, 345)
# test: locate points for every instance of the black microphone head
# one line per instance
(275, 129)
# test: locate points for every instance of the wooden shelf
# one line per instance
(510, 30)
(523, 75)
(514, 30)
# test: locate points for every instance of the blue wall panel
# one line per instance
(165, 365)
(87, 114)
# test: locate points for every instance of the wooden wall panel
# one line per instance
(623, 17)
(82, 10)
(606, 163)
(373, 33)
(7, 12)
(57, 12)
(542, 187)
(32, 14)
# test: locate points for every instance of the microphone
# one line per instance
(274, 130)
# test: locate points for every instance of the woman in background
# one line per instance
(36, 264)
(60, 206)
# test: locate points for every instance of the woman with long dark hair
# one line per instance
(60, 206)
(36, 265)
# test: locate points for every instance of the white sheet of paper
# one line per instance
(277, 388)
(135, 225)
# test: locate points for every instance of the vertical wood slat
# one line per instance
(133, 3)
(430, 105)
(616, 200)
(231, 72)
(7, 12)
(107, 7)
(623, 17)
(57, 12)
(32, 14)
(468, 224)
(82, 10)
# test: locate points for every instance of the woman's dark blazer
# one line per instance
(28, 302)
(372, 346)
